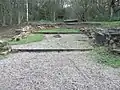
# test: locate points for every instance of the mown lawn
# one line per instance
(29, 39)
(107, 58)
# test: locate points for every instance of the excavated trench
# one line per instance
(56, 71)
(77, 39)
(10, 32)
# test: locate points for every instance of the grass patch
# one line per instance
(60, 30)
(111, 24)
(29, 39)
(104, 57)
(3, 57)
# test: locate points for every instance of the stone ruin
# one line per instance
(23, 32)
(44, 27)
(4, 48)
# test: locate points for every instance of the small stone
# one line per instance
(57, 36)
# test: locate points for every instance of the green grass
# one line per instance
(60, 30)
(3, 57)
(111, 24)
(29, 39)
(104, 57)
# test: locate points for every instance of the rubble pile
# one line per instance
(22, 32)
(88, 31)
(4, 48)
(43, 27)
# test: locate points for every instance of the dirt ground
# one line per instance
(9, 31)
(5, 31)
(56, 71)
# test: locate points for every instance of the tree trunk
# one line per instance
(112, 5)
(4, 21)
(3, 16)
(27, 15)
(19, 17)
(54, 12)
(11, 19)
(54, 16)
(111, 12)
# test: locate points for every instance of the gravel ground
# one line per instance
(56, 71)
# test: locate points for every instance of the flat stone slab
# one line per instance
(49, 50)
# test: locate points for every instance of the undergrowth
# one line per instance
(104, 57)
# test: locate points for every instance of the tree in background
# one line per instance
(19, 11)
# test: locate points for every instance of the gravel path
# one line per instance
(56, 71)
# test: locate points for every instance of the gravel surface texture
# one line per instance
(56, 71)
